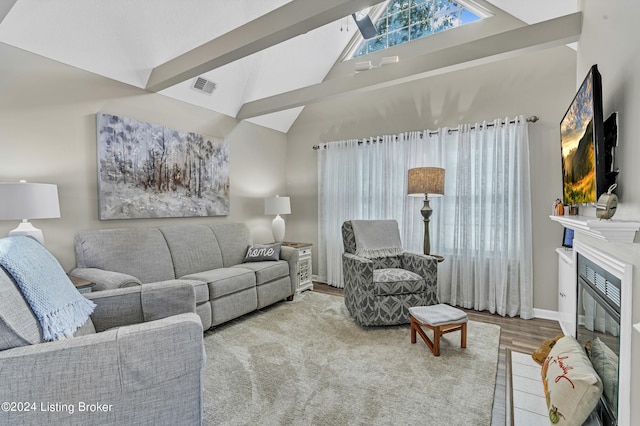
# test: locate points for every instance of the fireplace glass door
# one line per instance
(598, 330)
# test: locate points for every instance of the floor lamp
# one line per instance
(427, 182)
(22, 200)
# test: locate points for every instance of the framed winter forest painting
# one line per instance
(150, 171)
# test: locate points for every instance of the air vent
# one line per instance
(203, 85)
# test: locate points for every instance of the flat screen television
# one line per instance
(583, 145)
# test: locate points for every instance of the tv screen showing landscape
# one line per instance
(578, 143)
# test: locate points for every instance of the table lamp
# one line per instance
(427, 182)
(277, 205)
(22, 200)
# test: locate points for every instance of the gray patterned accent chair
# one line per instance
(380, 290)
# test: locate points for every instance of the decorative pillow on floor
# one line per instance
(571, 385)
(261, 253)
(542, 352)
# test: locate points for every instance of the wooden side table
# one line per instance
(305, 265)
(83, 286)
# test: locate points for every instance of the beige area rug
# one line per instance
(307, 363)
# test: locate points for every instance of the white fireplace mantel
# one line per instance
(614, 231)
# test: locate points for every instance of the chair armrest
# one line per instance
(427, 267)
(141, 374)
(291, 255)
(133, 305)
(105, 280)
(421, 264)
(357, 272)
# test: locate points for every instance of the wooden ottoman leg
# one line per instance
(437, 332)
(413, 329)
(463, 337)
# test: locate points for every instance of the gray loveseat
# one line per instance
(208, 257)
(137, 360)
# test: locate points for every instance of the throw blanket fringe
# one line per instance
(376, 253)
(53, 298)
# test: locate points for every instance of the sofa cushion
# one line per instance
(18, 325)
(262, 253)
(200, 287)
(140, 252)
(233, 239)
(225, 281)
(266, 271)
(194, 248)
(571, 385)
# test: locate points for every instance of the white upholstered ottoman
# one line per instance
(441, 319)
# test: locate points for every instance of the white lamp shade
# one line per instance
(22, 200)
(277, 205)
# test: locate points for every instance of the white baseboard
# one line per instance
(546, 314)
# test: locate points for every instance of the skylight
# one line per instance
(404, 20)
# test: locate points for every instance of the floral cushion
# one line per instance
(571, 385)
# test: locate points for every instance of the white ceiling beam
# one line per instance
(5, 8)
(547, 34)
(286, 22)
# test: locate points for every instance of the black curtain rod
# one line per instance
(531, 119)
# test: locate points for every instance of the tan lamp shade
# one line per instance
(426, 180)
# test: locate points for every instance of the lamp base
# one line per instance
(426, 214)
(277, 229)
(26, 228)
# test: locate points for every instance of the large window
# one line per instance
(406, 20)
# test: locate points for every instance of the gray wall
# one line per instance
(48, 134)
(541, 84)
(610, 39)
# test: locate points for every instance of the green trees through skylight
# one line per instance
(406, 20)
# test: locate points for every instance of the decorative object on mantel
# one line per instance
(277, 205)
(607, 204)
(22, 200)
(558, 208)
(427, 181)
(150, 171)
(613, 231)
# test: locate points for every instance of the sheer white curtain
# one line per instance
(484, 228)
(482, 225)
(356, 180)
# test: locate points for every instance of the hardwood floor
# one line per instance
(515, 333)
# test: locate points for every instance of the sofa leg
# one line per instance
(290, 298)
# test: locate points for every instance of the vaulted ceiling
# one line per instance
(268, 58)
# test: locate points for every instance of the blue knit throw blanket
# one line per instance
(53, 298)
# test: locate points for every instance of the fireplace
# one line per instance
(603, 327)
(598, 330)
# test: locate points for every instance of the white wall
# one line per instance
(48, 134)
(610, 39)
(541, 84)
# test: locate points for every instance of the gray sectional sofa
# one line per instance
(137, 360)
(208, 257)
